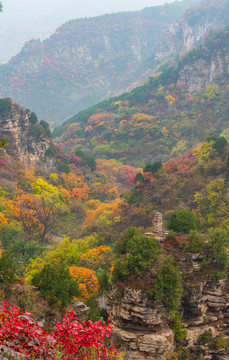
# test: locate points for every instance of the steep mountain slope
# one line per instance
(86, 60)
(190, 28)
(162, 118)
(197, 181)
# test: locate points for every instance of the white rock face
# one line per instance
(22, 147)
(203, 72)
(185, 33)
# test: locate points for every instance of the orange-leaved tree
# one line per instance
(87, 280)
(37, 214)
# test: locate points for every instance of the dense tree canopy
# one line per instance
(134, 253)
(183, 221)
(56, 284)
(167, 285)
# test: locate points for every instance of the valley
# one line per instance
(115, 223)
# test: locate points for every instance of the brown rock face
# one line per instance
(23, 146)
(140, 325)
(142, 329)
(206, 308)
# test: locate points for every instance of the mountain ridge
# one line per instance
(71, 64)
(137, 126)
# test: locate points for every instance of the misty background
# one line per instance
(23, 20)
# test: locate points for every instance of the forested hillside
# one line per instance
(164, 117)
(86, 61)
(81, 223)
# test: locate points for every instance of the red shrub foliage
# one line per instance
(2, 161)
(70, 339)
(130, 181)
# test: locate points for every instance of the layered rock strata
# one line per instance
(142, 328)
(140, 325)
(23, 146)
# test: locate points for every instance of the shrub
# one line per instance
(222, 260)
(205, 337)
(33, 118)
(219, 343)
(167, 286)
(51, 151)
(219, 243)
(5, 106)
(205, 263)
(220, 144)
(219, 239)
(134, 252)
(196, 242)
(90, 160)
(183, 221)
(179, 331)
(139, 177)
(22, 337)
(3, 143)
(64, 168)
(7, 268)
(56, 284)
(171, 235)
(46, 128)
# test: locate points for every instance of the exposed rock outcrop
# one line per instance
(204, 71)
(140, 325)
(24, 145)
(87, 60)
(185, 34)
(142, 328)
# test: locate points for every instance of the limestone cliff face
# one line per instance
(23, 146)
(205, 70)
(207, 308)
(142, 327)
(197, 21)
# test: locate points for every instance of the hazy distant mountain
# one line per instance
(86, 60)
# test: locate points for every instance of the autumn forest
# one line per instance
(84, 271)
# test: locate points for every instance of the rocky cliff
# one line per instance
(140, 325)
(205, 69)
(142, 328)
(196, 22)
(27, 143)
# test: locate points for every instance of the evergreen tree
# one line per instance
(7, 268)
(56, 284)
